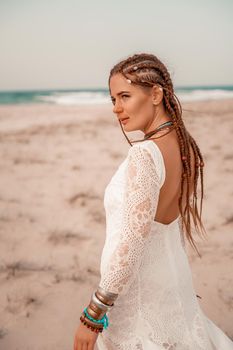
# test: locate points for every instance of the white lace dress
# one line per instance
(146, 264)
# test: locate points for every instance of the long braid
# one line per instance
(185, 156)
(147, 70)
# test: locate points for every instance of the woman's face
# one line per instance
(132, 102)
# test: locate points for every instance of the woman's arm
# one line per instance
(143, 182)
(143, 178)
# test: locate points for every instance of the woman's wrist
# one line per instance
(90, 324)
(94, 315)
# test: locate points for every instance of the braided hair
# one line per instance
(147, 70)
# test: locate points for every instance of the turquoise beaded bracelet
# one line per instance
(103, 320)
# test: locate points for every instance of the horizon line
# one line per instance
(105, 88)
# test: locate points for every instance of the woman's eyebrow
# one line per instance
(120, 93)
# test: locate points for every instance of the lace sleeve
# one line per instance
(139, 208)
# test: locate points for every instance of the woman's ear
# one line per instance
(157, 94)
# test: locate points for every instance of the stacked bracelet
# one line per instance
(100, 304)
(94, 316)
(94, 311)
(106, 294)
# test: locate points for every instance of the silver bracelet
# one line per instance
(99, 303)
(107, 294)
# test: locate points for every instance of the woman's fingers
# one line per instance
(90, 346)
(75, 344)
(85, 339)
(85, 346)
(80, 345)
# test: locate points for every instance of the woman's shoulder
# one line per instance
(148, 149)
(150, 146)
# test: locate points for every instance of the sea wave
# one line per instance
(101, 96)
(204, 95)
(87, 98)
(76, 98)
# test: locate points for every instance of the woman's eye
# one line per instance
(113, 100)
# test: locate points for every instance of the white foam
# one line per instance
(204, 95)
(76, 98)
(95, 97)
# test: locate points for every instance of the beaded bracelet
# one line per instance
(92, 328)
(103, 320)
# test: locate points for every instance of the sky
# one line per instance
(62, 44)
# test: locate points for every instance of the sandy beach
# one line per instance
(55, 164)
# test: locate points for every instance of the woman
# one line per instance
(145, 299)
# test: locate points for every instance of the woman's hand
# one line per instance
(84, 338)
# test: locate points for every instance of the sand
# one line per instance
(55, 164)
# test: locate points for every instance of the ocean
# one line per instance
(101, 96)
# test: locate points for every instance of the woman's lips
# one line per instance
(124, 121)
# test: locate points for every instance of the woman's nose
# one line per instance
(117, 108)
